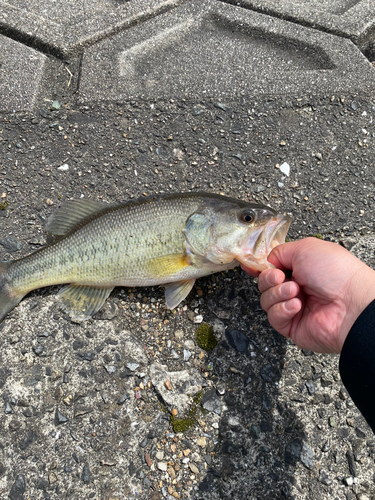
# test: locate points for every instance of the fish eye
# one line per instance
(247, 216)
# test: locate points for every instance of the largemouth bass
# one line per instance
(170, 240)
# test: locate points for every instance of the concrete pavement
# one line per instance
(116, 99)
(155, 48)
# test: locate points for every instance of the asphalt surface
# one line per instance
(124, 99)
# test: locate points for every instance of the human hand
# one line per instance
(329, 289)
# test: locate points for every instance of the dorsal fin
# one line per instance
(70, 214)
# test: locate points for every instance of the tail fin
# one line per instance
(7, 301)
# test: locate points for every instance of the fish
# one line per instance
(165, 239)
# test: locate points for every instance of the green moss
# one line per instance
(162, 407)
(197, 398)
(205, 337)
(182, 424)
(317, 235)
(4, 204)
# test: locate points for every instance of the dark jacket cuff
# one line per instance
(357, 363)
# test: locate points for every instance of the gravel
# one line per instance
(273, 421)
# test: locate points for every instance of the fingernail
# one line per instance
(289, 305)
(271, 278)
(285, 290)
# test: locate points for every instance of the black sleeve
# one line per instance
(357, 363)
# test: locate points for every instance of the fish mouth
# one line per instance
(276, 231)
(263, 240)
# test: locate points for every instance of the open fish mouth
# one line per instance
(276, 231)
(265, 238)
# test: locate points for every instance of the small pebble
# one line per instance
(64, 167)
(86, 474)
(122, 399)
(148, 459)
(285, 169)
(202, 442)
(179, 334)
(132, 366)
(38, 350)
(187, 355)
(8, 409)
(143, 443)
(110, 369)
(193, 468)
(60, 418)
(56, 105)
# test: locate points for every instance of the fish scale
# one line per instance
(107, 250)
(164, 239)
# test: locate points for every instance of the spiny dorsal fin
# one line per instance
(70, 214)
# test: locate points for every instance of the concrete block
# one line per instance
(21, 73)
(64, 28)
(354, 19)
(212, 48)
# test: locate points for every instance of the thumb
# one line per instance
(282, 256)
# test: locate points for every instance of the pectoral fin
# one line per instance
(168, 265)
(177, 292)
(82, 302)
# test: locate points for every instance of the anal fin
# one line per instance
(176, 292)
(81, 302)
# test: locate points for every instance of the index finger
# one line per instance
(250, 271)
(270, 278)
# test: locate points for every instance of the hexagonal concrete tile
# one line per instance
(66, 27)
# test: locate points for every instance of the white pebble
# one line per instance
(132, 366)
(187, 355)
(198, 319)
(64, 167)
(285, 168)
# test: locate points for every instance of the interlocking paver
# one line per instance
(65, 27)
(21, 74)
(354, 19)
(215, 48)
